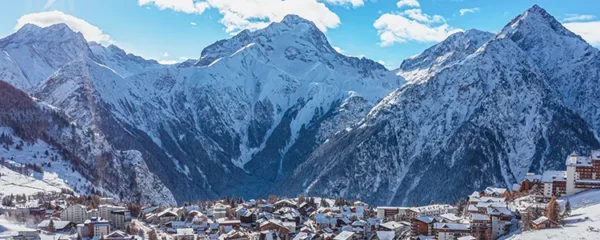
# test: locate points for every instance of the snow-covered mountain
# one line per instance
(452, 50)
(484, 119)
(73, 157)
(279, 111)
(231, 123)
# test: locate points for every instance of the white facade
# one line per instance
(74, 213)
(101, 229)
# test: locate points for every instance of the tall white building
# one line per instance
(75, 213)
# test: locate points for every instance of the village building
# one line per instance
(583, 172)
(555, 183)
(544, 222)
(451, 231)
(76, 213)
(94, 227)
(120, 218)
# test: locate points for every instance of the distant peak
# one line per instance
(293, 18)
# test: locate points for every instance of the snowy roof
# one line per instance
(540, 220)
(57, 224)
(498, 211)
(533, 176)
(450, 216)
(452, 226)
(391, 225)
(344, 235)
(494, 191)
(386, 235)
(551, 176)
(596, 154)
(479, 217)
(472, 207)
(431, 207)
(475, 194)
(425, 219)
(574, 160)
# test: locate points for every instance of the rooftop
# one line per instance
(554, 176)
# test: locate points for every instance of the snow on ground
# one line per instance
(584, 222)
(14, 183)
(9, 228)
(58, 173)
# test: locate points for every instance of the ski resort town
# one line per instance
(540, 201)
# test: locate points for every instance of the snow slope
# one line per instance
(584, 222)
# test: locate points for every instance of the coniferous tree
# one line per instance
(567, 211)
(553, 210)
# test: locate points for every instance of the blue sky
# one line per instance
(383, 30)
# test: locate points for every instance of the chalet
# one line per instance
(346, 235)
(235, 235)
(52, 225)
(422, 226)
(284, 203)
(449, 218)
(167, 215)
(117, 235)
(544, 222)
(480, 223)
(430, 210)
(451, 231)
(275, 226)
(496, 192)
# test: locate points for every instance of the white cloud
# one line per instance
(396, 28)
(418, 15)
(168, 62)
(381, 62)
(467, 10)
(49, 4)
(186, 6)
(587, 30)
(256, 14)
(408, 3)
(183, 59)
(193, 23)
(354, 3)
(578, 17)
(243, 14)
(338, 49)
(45, 19)
(166, 54)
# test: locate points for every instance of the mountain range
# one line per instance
(279, 111)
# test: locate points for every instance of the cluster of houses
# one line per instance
(488, 214)
(583, 173)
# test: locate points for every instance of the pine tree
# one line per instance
(567, 211)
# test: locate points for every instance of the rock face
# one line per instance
(279, 111)
(224, 124)
(475, 117)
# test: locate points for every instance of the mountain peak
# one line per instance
(534, 20)
(294, 19)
